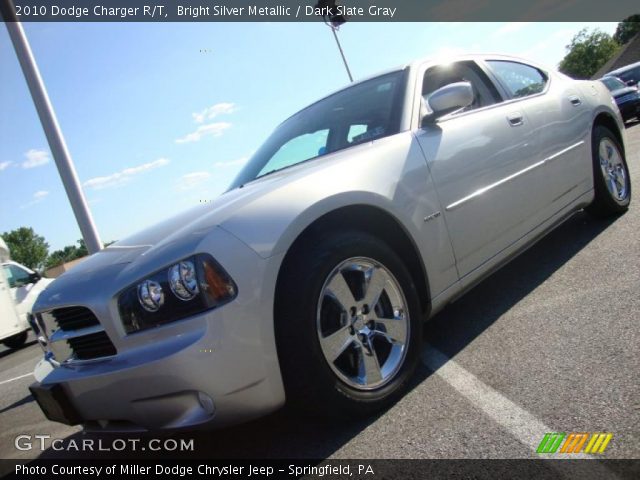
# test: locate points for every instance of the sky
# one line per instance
(160, 117)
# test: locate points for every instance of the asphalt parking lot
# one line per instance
(549, 343)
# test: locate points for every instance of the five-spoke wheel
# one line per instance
(348, 324)
(611, 181)
(363, 323)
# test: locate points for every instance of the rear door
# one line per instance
(560, 115)
(483, 161)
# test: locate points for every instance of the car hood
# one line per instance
(623, 91)
(193, 222)
(184, 230)
(143, 253)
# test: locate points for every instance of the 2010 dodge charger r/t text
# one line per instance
(359, 218)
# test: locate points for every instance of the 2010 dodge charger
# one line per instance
(308, 281)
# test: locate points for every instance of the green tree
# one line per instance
(68, 253)
(27, 247)
(627, 29)
(587, 52)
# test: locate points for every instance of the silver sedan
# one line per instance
(309, 280)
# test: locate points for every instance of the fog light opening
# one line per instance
(206, 402)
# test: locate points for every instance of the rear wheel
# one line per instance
(611, 179)
(348, 326)
(16, 341)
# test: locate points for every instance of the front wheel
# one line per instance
(348, 325)
(612, 183)
(16, 341)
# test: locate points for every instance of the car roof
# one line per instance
(445, 58)
(448, 58)
(414, 64)
(620, 70)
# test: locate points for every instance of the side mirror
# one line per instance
(447, 99)
(34, 277)
(631, 83)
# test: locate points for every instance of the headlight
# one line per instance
(150, 295)
(183, 281)
(191, 286)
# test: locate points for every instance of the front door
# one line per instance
(484, 164)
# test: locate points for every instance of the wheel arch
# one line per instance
(604, 119)
(377, 222)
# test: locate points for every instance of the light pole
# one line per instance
(333, 20)
(335, 35)
(51, 128)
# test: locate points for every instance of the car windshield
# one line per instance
(613, 83)
(364, 112)
(631, 74)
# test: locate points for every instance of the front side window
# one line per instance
(519, 79)
(364, 112)
(484, 92)
(17, 276)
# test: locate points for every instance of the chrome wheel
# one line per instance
(613, 169)
(363, 323)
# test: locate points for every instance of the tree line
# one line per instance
(32, 250)
(589, 50)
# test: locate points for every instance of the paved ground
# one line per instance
(549, 343)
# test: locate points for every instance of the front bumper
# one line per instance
(190, 380)
(212, 369)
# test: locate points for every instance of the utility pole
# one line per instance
(51, 127)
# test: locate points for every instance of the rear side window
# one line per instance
(519, 79)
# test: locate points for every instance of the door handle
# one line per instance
(515, 119)
(575, 101)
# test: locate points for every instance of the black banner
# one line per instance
(313, 10)
(324, 469)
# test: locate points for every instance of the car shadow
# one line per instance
(10, 351)
(287, 435)
(462, 321)
(22, 401)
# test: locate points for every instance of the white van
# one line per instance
(19, 288)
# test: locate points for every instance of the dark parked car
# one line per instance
(627, 98)
(629, 74)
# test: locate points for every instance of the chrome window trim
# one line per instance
(484, 67)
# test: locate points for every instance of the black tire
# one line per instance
(16, 341)
(605, 202)
(311, 384)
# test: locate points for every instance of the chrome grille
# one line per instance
(94, 345)
(72, 334)
(74, 318)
